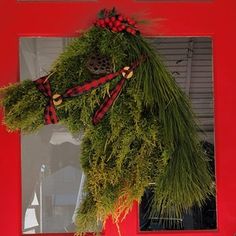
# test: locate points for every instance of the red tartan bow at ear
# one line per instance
(50, 116)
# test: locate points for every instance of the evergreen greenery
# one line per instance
(148, 136)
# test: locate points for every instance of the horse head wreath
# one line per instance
(138, 125)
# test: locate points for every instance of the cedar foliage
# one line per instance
(149, 134)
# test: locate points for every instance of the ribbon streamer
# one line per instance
(109, 100)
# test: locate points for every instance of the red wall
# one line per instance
(189, 18)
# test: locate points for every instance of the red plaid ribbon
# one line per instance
(50, 116)
(109, 100)
(87, 86)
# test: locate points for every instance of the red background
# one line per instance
(189, 18)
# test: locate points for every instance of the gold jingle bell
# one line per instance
(127, 72)
(57, 100)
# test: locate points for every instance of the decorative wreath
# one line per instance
(138, 125)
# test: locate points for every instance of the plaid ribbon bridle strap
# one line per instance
(43, 85)
(50, 116)
(109, 100)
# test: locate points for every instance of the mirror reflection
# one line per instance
(52, 178)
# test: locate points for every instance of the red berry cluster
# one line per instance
(118, 23)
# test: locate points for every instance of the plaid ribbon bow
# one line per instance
(50, 116)
(43, 85)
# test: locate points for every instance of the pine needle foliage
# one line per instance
(148, 136)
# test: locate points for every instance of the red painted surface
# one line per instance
(209, 18)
